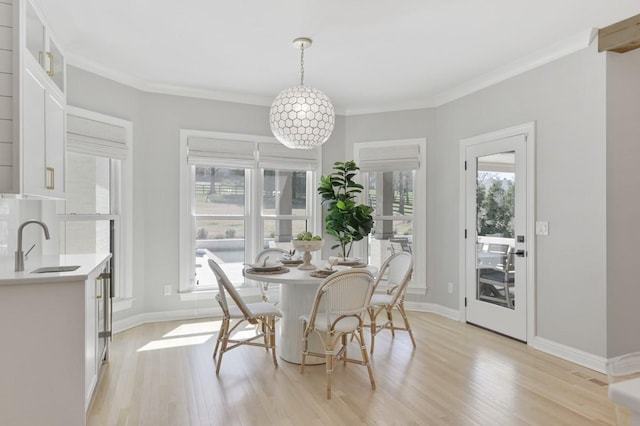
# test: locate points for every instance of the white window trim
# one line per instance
(254, 221)
(124, 207)
(418, 283)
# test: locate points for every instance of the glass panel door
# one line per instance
(496, 290)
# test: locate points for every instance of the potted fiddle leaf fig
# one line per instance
(346, 220)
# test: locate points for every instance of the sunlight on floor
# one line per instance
(195, 328)
(177, 342)
(191, 334)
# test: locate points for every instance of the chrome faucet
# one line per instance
(19, 253)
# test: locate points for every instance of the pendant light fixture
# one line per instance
(302, 117)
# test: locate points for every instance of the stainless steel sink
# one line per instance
(44, 269)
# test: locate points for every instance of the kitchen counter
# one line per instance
(87, 263)
(51, 351)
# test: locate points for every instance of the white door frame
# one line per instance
(527, 129)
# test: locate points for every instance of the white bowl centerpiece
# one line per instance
(307, 243)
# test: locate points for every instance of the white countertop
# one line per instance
(87, 262)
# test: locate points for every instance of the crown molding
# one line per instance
(563, 48)
(544, 56)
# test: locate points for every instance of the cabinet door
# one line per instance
(54, 146)
(35, 37)
(33, 135)
(90, 337)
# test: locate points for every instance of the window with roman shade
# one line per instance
(245, 193)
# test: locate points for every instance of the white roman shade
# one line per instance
(97, 138)
(278, 156)
(220, 152)
(389, 157)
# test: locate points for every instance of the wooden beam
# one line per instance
(620, 37)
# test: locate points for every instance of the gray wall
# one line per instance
(565, 98)
(89, 91)
(406, 125)
(623, 202)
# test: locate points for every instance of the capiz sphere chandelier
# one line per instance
(302, 117)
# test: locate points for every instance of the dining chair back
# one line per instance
(337, 311)
(395, 273)
(269, 291)
(261, 315)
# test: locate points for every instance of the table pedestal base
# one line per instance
(295, 301)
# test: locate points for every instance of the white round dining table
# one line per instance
(297, 293)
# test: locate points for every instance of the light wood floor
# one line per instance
(163, 374)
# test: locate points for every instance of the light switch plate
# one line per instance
(542, 228)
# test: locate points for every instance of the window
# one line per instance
(96, 213)
(242, 194)
(393, 176)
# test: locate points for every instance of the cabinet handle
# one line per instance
(51, 178)
(50, 72)
(99, 285)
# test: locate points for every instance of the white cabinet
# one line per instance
(43, 119)
(96, 342)
(32, 161)
(42, 46)
(42, 108)
(49, 358)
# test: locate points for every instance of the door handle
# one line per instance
(521, 253)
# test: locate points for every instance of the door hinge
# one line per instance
(465, 302)
(465, 165)
(465, 234)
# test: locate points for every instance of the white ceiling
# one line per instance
(367, 55)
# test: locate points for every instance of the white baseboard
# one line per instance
(453, 314)
(568, 353)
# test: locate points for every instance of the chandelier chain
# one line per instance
(302, 65)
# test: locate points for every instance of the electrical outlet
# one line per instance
(450, 287)
(167, 289)
(542, 228)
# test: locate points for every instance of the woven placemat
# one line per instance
(291, 262)
(358, 265)
(321, 273)
(282, 270)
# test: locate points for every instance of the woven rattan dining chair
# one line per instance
(340, 302)
(261, 314)
(397, 270)
(269, 292)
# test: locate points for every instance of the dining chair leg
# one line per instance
(407, 326)
(373, 328)
(390, 321)
(305, 346)
(265, 333)
(272, 338)
(365, 358)
(344, 351)
(221, 332)
(329, 361)
(223, 348)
